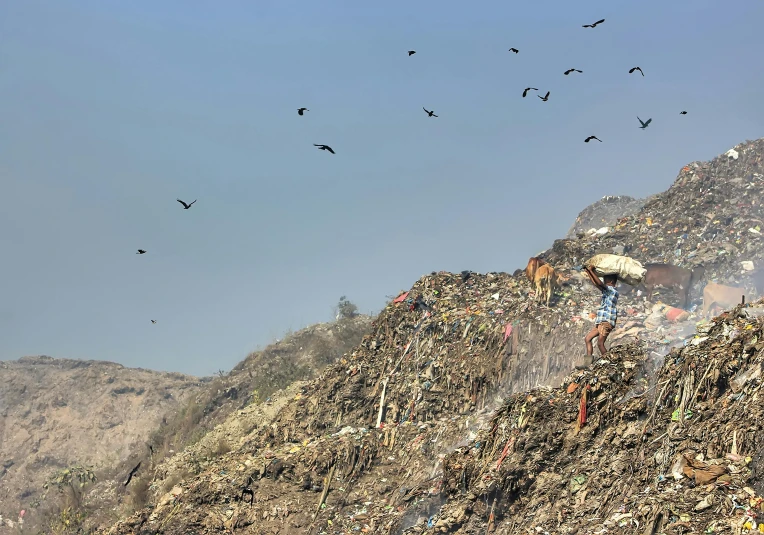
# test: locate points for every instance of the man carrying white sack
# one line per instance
(607, 314)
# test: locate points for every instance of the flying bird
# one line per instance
(682, 113)
(570, 71)
(636, 69)
(644, 123)
(545, 97)
(594, 24)
(528, 89)
(324, 147)
(514, 50)
(141, 251)
(153, 321)
(132, 473)
(300, 111)
(186, 206)
(412, 52)
(429, 113)
(588, 139)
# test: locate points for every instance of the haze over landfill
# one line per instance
(111, 111)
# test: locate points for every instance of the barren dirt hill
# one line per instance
(55, 413)
(461, 411)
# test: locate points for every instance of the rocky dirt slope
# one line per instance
(413, 430)
(55, 413)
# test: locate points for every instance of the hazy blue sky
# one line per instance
(110, 110)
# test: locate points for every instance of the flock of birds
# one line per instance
(430, 113)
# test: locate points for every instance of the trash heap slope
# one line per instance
(711, 216)
(619, 449)
(361, 447)
(605, 212)
(435, 370)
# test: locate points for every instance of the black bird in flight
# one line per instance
(153, 321)
(528, 89)
(141, 251)
(132, 473)
(636, 69)
(545, 97)
(594, 24)
(570, 71)
(588, 139)
(644, 123)
(682, 113)
(300, 111)
(324, 147)
(429, 113)
(186, 206)
(514, 50)
(412, 52)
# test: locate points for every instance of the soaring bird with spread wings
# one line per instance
(324, 147)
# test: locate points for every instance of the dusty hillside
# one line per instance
(403, 432)
(55, 413)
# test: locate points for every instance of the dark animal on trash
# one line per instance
(528, 89)
(186, 206)
(670, 276)
(514, 50)
(429, 113)
(636, 69)
(141, 251)
(545, 97)
(534, 263)
(644, 123)
(466, 275)
(570, 71)
(593, 25)
(588, 139)
(720, 296)
(412, 52)
(301, 111)
(324, 147)
(682, 113)
(132, 473)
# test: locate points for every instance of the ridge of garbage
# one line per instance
(441, 420)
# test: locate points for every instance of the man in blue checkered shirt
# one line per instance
(607, 313)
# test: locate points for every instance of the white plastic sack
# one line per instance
(628, 270)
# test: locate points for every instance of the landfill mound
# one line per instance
(386, 440)
(618, 449)
(711, 217)
(605, 213)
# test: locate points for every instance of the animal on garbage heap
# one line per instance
(533, 264)
(670, 276)
(546, 279)
(721, 296)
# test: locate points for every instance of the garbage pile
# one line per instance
(618, 449)
(605, 213)
(401, 434)
(711, 216)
